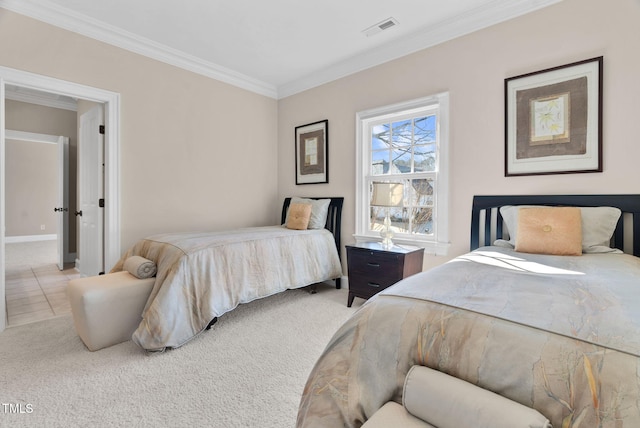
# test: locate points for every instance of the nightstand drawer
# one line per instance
(367, 287)
(381, 266)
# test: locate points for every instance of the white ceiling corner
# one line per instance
(68, 19)
(276, 48)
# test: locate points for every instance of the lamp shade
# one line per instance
(387, 195)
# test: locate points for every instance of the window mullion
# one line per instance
(413, 145)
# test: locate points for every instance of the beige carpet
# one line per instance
(247, 371)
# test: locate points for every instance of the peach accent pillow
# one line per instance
(598, 225)
(299, 215)
(556, 231)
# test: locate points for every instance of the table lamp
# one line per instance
(387, 195)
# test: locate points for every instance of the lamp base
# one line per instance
(386, 232)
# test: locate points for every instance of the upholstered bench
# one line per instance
(434, 399)
(108, 308)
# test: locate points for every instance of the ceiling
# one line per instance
(275, 47)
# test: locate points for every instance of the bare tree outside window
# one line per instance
(406, 148)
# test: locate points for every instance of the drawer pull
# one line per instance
(373, 284)
(373, 264)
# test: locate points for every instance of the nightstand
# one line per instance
(372, 268)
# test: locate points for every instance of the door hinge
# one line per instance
(101, 203)
(101, 129)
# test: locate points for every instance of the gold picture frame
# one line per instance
(554, 120)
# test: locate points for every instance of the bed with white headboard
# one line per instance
(556, 333)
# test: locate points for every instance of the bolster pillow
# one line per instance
(448, 402)
(140, 267)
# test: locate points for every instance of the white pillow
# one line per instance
(598, 225)
(319, 211)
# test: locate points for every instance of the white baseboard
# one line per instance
(29, 238)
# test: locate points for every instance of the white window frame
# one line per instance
(438, 242)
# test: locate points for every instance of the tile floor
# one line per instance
(35, 288)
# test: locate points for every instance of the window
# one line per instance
(406, 143)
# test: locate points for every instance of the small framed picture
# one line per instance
(554, 120)
(312, 153)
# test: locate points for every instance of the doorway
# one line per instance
(111, 102)
(37, 258)
(37, 176)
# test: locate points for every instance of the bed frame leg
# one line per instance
(213, 321)
(313, 288)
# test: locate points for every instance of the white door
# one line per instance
(90, 214)
(63, 200)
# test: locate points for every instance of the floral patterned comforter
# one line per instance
(559, 334)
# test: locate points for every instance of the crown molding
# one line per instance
(40, 98)
(473, 20)
(48, 12)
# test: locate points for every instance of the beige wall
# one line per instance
(32, 170)
(473, 69)
(195, 154)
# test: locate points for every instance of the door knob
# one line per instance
(79, 213)
(61, 209)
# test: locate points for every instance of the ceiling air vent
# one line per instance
(380, 26)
